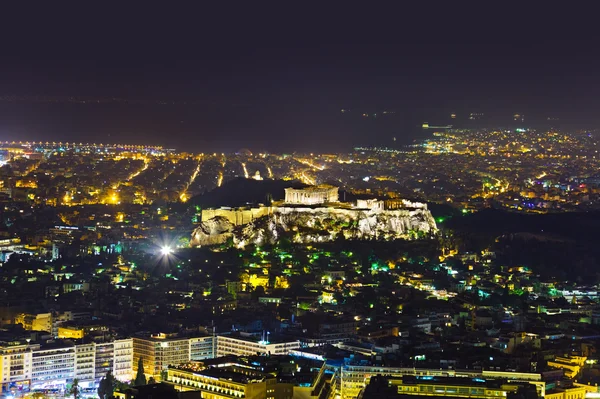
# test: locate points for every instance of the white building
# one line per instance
(56, 365)
(247, 345)
(202, 348)
(123, 359)
(15, 364)
(53, 368)
(85, 356)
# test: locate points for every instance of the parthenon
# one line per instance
(311, 195)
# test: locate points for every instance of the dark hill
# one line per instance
(561, 247)
(580, 226)
(240, 192)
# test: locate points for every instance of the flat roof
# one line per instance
(460, 381)
(222, 373)
(166, 338)
(252, 338)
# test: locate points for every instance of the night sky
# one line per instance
(275, 78)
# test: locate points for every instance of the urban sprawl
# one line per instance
(137, 271)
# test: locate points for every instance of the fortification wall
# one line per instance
(237, 216)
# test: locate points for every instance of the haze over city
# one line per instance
(276, 79)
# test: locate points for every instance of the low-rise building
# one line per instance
(223, 382)
(249, 345)
(35, 321)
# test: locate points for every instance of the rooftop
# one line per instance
(222, 373)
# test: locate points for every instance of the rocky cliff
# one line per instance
(318, 224)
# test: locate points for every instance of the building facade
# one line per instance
(85, 362)
(161, 350)
(223, 383)
(352, 379)
(202, 348)
(35, 322)
(54, 366)
(247, 346)
(15, 366)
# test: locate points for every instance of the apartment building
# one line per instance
(53, 366)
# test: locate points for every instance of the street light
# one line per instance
(166, 250)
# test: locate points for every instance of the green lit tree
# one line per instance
(140, 377)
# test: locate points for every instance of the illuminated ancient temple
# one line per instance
(314, 195)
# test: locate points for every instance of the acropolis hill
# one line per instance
(315, 214)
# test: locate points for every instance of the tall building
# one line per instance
(53, 366)
(15, 366)
(202, 348)
(85, 362)
(123, 359)
(162, 350)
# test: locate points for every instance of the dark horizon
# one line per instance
(277, 79)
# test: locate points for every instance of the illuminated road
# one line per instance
(306, 179)
(245, 170)
(184, 195)
(309, 163)
(138, 172)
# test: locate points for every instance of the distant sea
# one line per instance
(210, 128)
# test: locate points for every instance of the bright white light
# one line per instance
(166, 250)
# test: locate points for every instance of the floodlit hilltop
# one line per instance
(315, 214)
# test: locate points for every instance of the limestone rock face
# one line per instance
(213, 231)
(319, 224)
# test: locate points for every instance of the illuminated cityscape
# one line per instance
(244, 201)
(190, 264)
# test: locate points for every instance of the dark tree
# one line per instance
(140, 377)
(107, 385)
